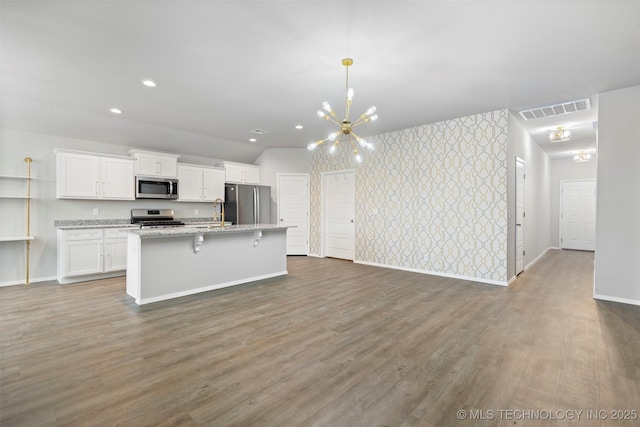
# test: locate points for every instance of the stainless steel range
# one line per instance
(154, 218)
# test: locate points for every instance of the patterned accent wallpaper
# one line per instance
(440, 191)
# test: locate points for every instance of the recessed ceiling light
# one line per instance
(149, 83)
(259, 131)
(252, 139)
(299, 126)
(115, 110)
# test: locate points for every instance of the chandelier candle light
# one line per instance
(346, 127)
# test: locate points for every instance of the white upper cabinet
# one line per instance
(151, 163)
(90, 176)
(189, 183)
(78, 176)
(241, 173)
(118, 179)
(213, 184)
(200, 183)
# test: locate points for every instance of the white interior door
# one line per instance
(520, 215)
(578, 215)
(293, 210)
(339, 214)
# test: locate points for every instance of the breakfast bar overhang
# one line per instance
(167, 263)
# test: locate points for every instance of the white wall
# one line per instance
(565, 169)
(281, 160)
(617, 266)
(537, 195)
(46, 209)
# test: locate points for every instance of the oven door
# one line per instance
(149, 187)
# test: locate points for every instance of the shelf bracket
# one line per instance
(197, 242)
(257, 235)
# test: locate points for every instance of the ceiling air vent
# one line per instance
(556, 109)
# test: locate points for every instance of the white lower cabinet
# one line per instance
(82, 257)
(116, 254)
(89, 254)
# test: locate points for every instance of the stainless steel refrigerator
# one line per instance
(247, 204)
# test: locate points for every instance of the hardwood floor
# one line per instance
(331, 344)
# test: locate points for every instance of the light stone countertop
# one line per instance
(79, 224)
(189, 230)
(81, 227)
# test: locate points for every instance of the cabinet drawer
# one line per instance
(85, 234)
(112, 233)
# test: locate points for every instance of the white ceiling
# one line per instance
(224, 68)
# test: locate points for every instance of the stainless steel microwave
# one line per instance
(154, 187)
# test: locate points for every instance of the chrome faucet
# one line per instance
(215, 213)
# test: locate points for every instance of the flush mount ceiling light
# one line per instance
(581, 156)
(559, 134)
(346, 127)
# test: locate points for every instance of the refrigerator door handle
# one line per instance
(256, 203)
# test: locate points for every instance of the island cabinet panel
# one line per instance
(161, 267)
(200, 183)
(88, 254)
(91, 176)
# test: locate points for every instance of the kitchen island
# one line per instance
(165, 263)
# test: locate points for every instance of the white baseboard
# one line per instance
(616, 299)
(538, 257)
(31, 280)
(142, 301)
(531, 263)
(315, 255)
(434, 273)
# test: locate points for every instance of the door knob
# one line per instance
(351, 220)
